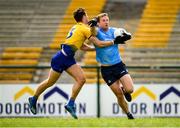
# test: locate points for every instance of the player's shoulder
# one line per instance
(112, 29)
(81, 25)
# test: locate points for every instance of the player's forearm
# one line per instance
(89, 49)
(94, 31)
(101, 43)
(104, 43)
(86, 47)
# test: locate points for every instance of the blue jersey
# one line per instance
(107, 55)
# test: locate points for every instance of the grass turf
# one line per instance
(89, 122)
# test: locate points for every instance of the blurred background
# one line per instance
(31, 31)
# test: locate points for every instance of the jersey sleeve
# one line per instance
(94, 31)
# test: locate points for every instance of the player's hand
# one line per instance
(92, 22)
(126, 36)
(122, 39)
(119, 40)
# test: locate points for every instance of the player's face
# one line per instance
(104, 22)
(85, 19)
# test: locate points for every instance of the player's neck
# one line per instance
(105, 29)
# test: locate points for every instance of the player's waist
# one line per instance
(68, 50)
(108, 61)
(109, 66)
(75, 44)
(106, 65)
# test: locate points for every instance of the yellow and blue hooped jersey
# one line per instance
(77, 35)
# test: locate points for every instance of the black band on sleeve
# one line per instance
(90, 36)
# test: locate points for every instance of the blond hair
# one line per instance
(100, 16)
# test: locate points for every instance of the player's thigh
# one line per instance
(127, 83)
(53, 76)
(116, 88)
(76, 72)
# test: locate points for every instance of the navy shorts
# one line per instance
(61, 62)
(113, 73)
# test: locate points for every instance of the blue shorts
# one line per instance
(61, 62)
(113, 73)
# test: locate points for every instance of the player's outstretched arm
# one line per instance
(99, 43)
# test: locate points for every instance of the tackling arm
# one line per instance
(86, 47)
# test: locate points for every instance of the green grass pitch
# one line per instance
(89, 122)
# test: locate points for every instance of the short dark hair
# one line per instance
(100, 16)
(78, 14)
